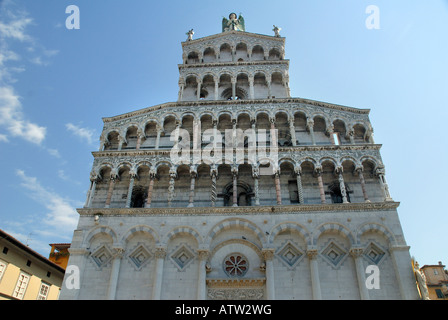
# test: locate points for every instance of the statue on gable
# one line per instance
(190, 34)
(233, 23)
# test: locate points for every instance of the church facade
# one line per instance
(239, 191)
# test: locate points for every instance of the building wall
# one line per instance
(291, 235)
(16, 262)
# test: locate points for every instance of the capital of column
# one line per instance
(356, 252)
(117, 253)
(312, 254)
(268, 253)
(160, 252)
(203, 254)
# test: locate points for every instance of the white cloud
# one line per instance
(13, 119)
(61, 214)
(83, 133)
(3, 138)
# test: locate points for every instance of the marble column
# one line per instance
(330, 132)
(203, 255)
(193, 175)
(268, 255)
(235, 186)
(213, 194)
(256, 176)
(314, 269)
(356, 254)
(298, 172)
(292, 129)
(278, 187)
(113, 177)
(140, 135)
(363, 183)
(233, 88)
(171, 194)
(198, 93)
(310, 126)
(159, 132)
(251, 87)
(160, 255)
(380, 172)
(321, 184)
(132, 176)
(216, 87)
(339, 171)
(91, 194)
(403, 271)
(113, 281)
(152, 177)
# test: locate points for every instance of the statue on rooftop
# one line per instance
(190, 34)
(233, 23)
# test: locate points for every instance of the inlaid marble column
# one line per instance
(233, 80)
(113, 281)
(318, 171)
(198, 93)
(292, 129)
(216, 79)
(314, 270)
(132, 176)
(93, 180)
(356, 254)
(140, 135)
(235, 185)
(360, 170)
(269, 82)
(330, 132)
(121, 140)
(256, 176)
(213, 194)
(278, 191)
(159, 132)
(339, 171)
(381, 173)
(268, 255)
(251, 87)
(181, 89)
(310, 127)
(152, 177)
(351, 135)
(113, 177)
(203, 255)
(173, 176)
(298, 172)
(160, 255)
(193, 175)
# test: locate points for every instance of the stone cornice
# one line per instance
(253, 210)
(233, 64)
(233, 32)
(230, 103)
(297, 149)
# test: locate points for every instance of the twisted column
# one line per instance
(298, 172)
(213, 194)
(277, 187)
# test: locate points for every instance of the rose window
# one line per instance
(236, 265)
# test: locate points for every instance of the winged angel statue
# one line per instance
(233, 23)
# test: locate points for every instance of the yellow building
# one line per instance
(25, 274)
(436, 281)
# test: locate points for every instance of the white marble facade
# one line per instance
(307, 226)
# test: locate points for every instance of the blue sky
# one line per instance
(56, 85)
